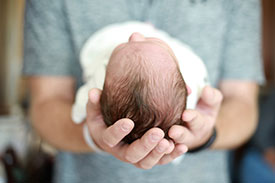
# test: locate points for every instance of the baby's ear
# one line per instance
(189, 91)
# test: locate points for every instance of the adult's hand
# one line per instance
(144, 153)
(200, 121)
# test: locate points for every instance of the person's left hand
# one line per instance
(199, 122)
(143, 153)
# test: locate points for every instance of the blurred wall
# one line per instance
(3, 103)
(11, 23)
(269, 40)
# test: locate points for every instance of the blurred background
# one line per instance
(25, 158)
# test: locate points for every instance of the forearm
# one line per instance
(236, 122)
(52, 120)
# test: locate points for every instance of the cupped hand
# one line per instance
(200, 121)
(144, 153)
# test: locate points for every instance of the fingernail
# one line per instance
(155, 138)
(125, 127)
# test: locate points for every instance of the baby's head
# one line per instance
(143, 83)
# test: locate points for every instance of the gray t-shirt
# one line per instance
(224, 33)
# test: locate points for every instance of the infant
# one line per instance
(144, 78)
(143, 83)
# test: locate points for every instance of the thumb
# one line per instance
(94, 96)
(210, 100)
(93, 105)
(211, 96)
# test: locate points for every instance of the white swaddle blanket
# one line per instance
(97, 50)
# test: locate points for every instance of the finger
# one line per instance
(189, 91)
(94, 119)
(116, 132)
(180, 134)
(93, 105)
(179, 150)
(193, 119)
(211, 96)
(154, 156)
(171, 147)
(94, 95)
(141, 147)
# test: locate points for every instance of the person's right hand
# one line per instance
(144, 153)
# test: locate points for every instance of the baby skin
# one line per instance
(143, 82)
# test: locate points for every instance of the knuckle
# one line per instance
(145, 145)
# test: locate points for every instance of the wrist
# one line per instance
(207, 144)
(89, 140)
